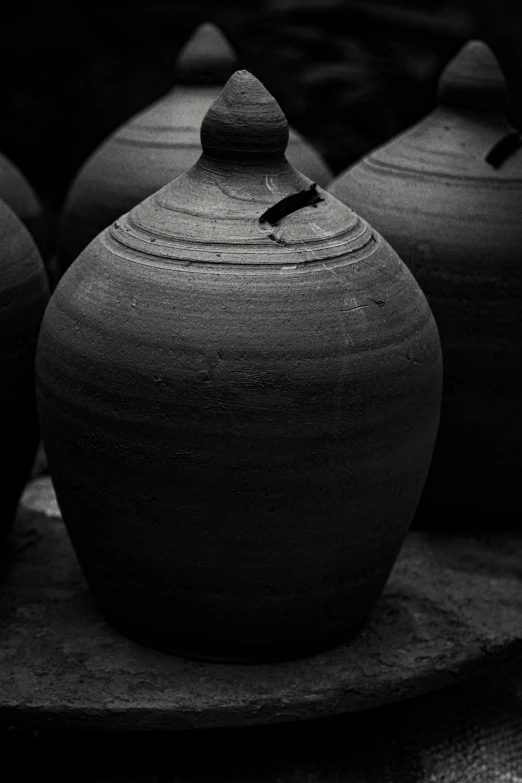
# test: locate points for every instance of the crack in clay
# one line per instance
(334, 273)
(395, 278)
(290, 204)
(277, 237)
(307, 249)
(231, 193)
(503, 149)
(357, 307)
(269, 186)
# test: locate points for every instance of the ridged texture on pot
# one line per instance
(158, 145)
(23, 298)
(455, 218)
(17, 193)
(238, 416)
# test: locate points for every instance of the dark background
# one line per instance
(348, 73)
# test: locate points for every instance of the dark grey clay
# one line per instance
(447, 195)
(239, 387)
(23, 297)
(17, 193)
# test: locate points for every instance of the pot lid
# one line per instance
(467, 136)
(207, 57)
(474, 79)
(156, 145)
(242, 202)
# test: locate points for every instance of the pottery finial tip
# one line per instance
(244, 123)
(474, 79)
(207, 56)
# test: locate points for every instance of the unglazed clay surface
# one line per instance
(17, 193)
(452, 609)
(239, 416)
(158, 145)
(447, 195)
(23, 297)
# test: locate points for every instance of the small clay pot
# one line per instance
(17, 193)
(159, 144)
(23, 297)
(447, 195)
(239, 386)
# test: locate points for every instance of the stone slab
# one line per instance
(452, 609)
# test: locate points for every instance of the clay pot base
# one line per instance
(289, 655)
(452, 607)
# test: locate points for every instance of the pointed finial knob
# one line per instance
(207, 57)
(244, 123)
(474, 79)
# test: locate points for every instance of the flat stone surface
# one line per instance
(452, 608)
(467, 734)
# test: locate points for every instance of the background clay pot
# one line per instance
(23, 298)
(157, 145)
(17, 193)
(239, 389)
(447, 195)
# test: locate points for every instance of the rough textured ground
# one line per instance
(469, 734)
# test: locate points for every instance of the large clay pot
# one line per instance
(157, 145)
(17, 193)
(447, 195)
(23, 298)
(239, 387)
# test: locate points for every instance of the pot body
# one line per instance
(455, 221)
(238, 429)
(17, 193)
(141, 157)
(23, 298)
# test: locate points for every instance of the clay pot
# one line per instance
(17, 193)
(239, 388)
(23, 298)
(447, 195)
(157, 145)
